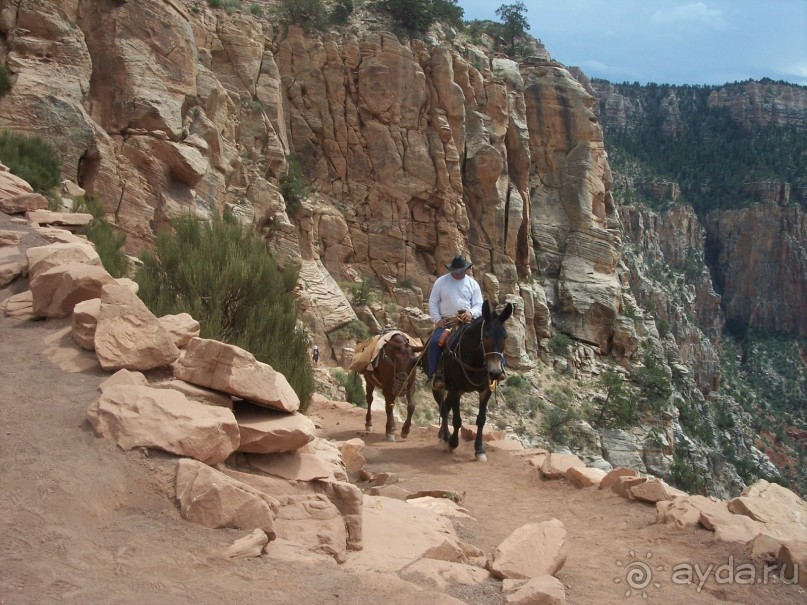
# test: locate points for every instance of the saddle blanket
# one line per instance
(366, 352)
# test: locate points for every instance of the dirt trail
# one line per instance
(82, 521)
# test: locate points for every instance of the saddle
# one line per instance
(366, 354)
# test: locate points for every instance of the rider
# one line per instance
(453, 292)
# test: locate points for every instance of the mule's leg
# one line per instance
(368, 421)
(410, 409)
(479, 448)
(456, 419)
(390, 409)
(440, 398)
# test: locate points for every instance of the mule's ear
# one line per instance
(486, 310)
(505, 314)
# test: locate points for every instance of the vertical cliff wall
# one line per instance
(414, 151)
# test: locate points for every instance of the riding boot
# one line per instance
(438, 384)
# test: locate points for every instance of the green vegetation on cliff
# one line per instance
(681, 137)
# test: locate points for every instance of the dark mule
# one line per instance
(394, 374)
(472, 361)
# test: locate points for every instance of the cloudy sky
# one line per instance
(669, 41)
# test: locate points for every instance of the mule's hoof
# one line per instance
(368, 428)
(404, 435)
(390, 437)
(481, 457)
(454, 441)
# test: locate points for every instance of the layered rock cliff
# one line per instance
(415, 151)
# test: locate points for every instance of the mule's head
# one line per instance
(402, 355)
(493, 337)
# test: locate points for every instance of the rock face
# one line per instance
(416, 152)
(761, 258)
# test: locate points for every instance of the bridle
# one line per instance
(400, 379)
(485, 354)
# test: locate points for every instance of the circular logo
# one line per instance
(638, 575)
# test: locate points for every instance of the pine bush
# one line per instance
(223, 276)
(108, 242)
(31, 159)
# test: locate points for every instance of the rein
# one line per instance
(465, 367)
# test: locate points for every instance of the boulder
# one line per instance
(228, 368)
(556, 465)
(543, 590)
(23, 202)
(686, 511)
(124, 377)
(140, 416)
(84, 322)
(654, 490)
(623, 484)
(56, 291)
(613, 476)
(12, 265)
(211, 498)
(248, 546)
(309, 522)
(43, 258)
(128, 335)
(20, 306)
(9, 238)
(191, 391)
(69, 220)
(534, 549)
(181, 328)
(271, 432)
(584, 476)
(352, 454)
(793, 558)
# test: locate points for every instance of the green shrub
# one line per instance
(354, 387)
(412, 16)
(360, 293)
(31, 159)
(308, 14)
(354, 330)
(342, 9)
(108, 242)
(293, 187)
(559, 343)
(555, 423)
(663, 327)
(256, 10)
(5, 80)
(223, 276)
(230, 6)
(619, 407)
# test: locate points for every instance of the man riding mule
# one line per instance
(473, 360)
(455, 298)
(388, 361)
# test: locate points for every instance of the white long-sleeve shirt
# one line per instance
(449, 296)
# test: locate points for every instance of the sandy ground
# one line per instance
(83, 522)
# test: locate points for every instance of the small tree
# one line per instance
(308, 14)
(293, 186)
(619, 407)
(514, 20)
